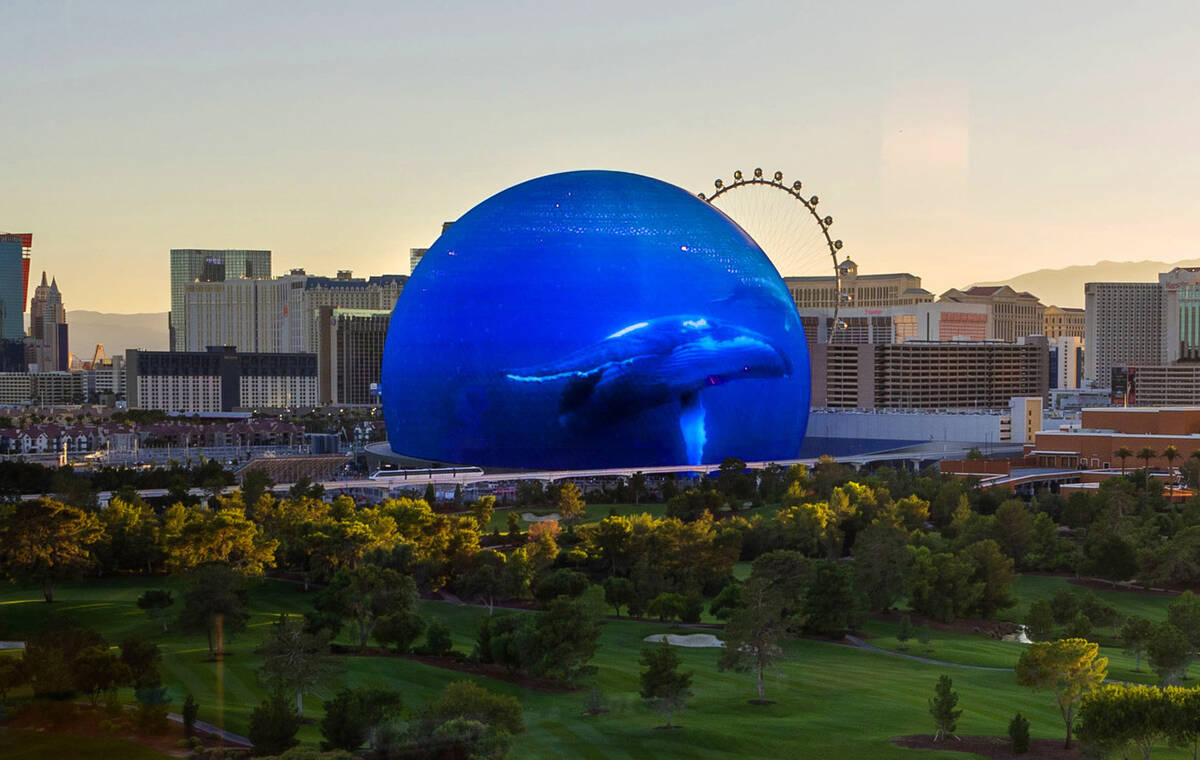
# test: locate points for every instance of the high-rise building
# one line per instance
(1061, 320)
(416, 254)
(250, 315)
(14, 283)
(277, 315)
(350, 354)
(1014, 315)
(928, 375)
(1066, 361)
(379, 292)
(414, 257)
(48, 327)
(12, 356)
(190, 265)
(219, 379)
(873, 291)
(1124, 327)
(1180, 314)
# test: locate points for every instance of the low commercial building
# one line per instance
(42, 388)
(928, 375)
(14, 389)
(982, 427)
(219, 380)
(1103, 431)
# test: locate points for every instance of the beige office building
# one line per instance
(1064, 322)
(249, 314)
(861, 291)
(1014, 314)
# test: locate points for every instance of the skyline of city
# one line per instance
(928, 132)
(524, 380)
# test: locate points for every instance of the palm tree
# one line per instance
(1123, 453)
(1171, 453)
(1146, 454)
(1191, 484)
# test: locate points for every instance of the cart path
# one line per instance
(212, 730)
(856, 641)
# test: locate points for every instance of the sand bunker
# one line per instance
(1021, 636)
(694, 640)
(531, 517)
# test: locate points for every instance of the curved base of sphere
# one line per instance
(595, 319)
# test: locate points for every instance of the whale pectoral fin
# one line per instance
(578, 391)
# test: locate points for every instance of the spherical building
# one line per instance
(595, 319)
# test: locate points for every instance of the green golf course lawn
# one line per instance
(832, 700)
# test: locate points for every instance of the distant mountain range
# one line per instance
(1064, 287)
(116, 331)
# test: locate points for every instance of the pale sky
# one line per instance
(960, 141)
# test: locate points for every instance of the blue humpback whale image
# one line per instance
(654, 363)
(761, 296)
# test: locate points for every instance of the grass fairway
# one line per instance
(33, 745)
(832, 701)
(1031, 588)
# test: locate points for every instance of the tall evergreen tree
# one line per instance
(941, 707)
(665, 688)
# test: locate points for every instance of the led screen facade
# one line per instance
(595, 319)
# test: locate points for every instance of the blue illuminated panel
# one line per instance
(595, 319)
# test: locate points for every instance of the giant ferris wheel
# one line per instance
(791, 231)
